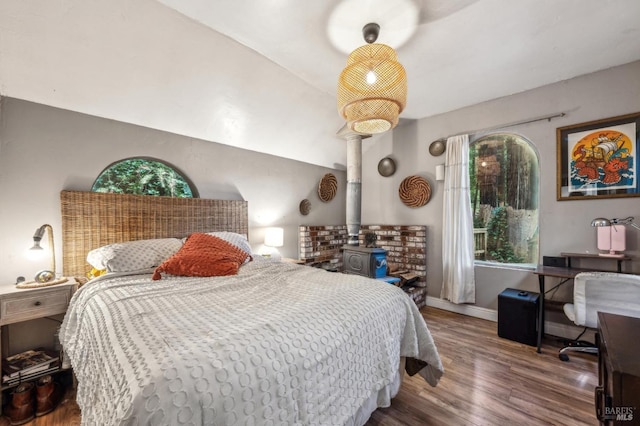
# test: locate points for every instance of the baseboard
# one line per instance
(464, 309)
(565, 331)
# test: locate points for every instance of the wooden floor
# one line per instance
(493, 381)
(488, 381)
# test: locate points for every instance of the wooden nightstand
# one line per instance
(17, 305)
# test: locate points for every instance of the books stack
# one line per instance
(28, 365)
(406, 277)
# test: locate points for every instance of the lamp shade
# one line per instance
(274, 237)
(372, 89)
(600, 221)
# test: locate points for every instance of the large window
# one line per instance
(504, 177)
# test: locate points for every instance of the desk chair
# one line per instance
(595, 292)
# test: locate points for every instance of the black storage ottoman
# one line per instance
(518, 316)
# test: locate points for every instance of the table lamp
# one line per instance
(273, 237)
(48, 276)
(612, 238)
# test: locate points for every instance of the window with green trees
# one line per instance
(144, 176)
(504, 177)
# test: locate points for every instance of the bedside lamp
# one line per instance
(611, 237)
(273, 237)
(47, 276)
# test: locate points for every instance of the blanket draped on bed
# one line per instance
(276, 344)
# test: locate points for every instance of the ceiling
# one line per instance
(261, 75)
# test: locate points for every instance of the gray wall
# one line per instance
(564, 225)
(44, 150)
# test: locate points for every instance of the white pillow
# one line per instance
(234, 238)
(133, 255)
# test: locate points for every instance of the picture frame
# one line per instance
(599, 159)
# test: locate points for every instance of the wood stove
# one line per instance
(367, 261)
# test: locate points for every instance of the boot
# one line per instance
(48, 395)
(20, 410)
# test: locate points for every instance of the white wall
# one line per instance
(44, 150)
(143, 63)
(564, 225)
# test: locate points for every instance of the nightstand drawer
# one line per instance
(34, 304)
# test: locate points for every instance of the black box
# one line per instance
(518, 316)
(559, 261)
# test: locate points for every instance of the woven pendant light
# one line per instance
(372, 89)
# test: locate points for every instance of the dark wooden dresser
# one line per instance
(618, 393)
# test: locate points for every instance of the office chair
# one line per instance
(595, 292)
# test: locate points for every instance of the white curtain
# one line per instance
(458, 278)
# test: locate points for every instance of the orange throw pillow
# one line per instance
(203, 255)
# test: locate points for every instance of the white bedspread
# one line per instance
(277, 344)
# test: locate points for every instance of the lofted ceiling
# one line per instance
(261, 74)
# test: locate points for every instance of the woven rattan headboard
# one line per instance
(91, 220)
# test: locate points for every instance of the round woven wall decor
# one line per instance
(305, 207)
(328, 187)
(414, 191)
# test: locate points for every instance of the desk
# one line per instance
(551, 271)
(618, 259)
(567, 273)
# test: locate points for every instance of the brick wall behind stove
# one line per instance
(321, 245)
(406, 247)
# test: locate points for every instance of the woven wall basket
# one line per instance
(327, 187)
(414, 191)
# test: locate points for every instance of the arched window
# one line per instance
(144, 176)
(504, 177)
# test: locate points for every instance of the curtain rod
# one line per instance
(516, 123)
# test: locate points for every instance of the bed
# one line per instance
(276, 343)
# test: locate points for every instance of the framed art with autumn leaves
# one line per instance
(599, 159)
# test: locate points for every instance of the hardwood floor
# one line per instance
(488, 381)
(493, 381)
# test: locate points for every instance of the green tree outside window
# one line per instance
(504, 180)
(144, 176)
